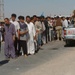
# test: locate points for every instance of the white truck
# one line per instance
(69, 34)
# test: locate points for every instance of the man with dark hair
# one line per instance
(14, 15)
(17, 27)
(65, 22)
(28, 19)
(30, 43)
(59, 28)
(23, 35)
(46, 31)
(34, 18)
(9, 39)
(38, 27)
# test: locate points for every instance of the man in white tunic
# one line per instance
(32, 33)
(65, 23)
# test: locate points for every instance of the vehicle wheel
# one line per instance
(67, 42)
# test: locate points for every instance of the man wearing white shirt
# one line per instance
(17, 27)
(65, 22)
(32, 33)
(64, 25)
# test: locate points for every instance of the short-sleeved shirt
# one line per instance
(23, 27)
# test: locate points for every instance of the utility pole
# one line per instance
(1, 9)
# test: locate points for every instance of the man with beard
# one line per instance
(32, 33)
(9, 39)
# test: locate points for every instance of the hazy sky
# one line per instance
(30, 7)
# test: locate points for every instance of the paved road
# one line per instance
(55, 59)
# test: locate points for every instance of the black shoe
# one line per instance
(59, 38)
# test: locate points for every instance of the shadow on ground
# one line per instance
(3, 62)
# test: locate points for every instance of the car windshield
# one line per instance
(71, 26)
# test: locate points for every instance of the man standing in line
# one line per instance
(23, 35)
(17, 27)
(9, 35)
(38, 27)
(0, 36)
(32, 33)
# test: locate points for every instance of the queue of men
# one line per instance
(31, 33)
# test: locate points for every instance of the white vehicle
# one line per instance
(69, 34)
